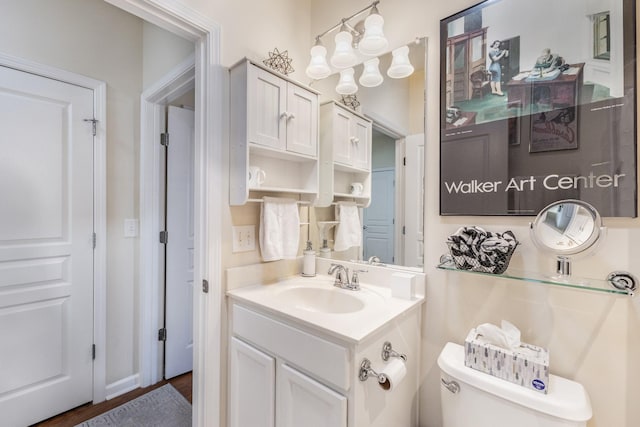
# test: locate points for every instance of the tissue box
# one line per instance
(527, 365)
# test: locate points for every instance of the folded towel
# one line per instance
(349, 232)
(279, 229)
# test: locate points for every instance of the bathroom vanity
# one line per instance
(296, 347)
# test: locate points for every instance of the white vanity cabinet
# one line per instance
(282, 375)
(273, 126)
(345, 154)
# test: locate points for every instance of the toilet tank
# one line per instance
(486, 401)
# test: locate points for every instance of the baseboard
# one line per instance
(122, 386)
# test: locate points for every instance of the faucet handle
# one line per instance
(355, 280)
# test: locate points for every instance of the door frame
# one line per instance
(99, 89)
(208, 166)
(153, 102)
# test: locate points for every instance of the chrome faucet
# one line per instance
(373, 259)
(342, 277)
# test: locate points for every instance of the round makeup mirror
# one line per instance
(567, 228)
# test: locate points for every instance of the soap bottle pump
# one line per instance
(309, 261)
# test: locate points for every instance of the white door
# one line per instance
(179, 248)
(378, 218)
(252, 386)
(302, 121)
(414, 201)
(267, 105)
(46, 247)
(302, 401)
(342, 145)
(361, 141)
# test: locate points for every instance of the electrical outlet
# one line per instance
(244, 238)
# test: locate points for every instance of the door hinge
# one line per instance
(164, 236)
(95, 240)
(93, 352)
(404, 161)
(404, 229)
(162, 334)
(205, 286)
(94, 125)
(164, 139)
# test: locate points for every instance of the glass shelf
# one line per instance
(581, 283)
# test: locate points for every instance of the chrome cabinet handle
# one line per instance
(452, 385)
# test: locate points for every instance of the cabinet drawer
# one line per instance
(326, 360)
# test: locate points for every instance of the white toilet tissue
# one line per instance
(392, 374)
(507, 337)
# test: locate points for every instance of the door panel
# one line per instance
(302, 122)
(46, 247)
(378, 218)
(267, 99)
(179, 250)
(414, 201)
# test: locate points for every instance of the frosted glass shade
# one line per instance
(373, 41)
(371, 76)
(318, 67)
(347, 84)
(400, 65)
(344, 56)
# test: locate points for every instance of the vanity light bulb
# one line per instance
(318, 67)
(400, 65)
(344, 56)
(371, 76)
(373, 41)
(347, 84)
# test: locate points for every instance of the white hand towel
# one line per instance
(279, 229)
(349, 232)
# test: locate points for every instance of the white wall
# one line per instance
(162, 51)
(592, 338)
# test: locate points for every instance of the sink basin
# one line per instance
(321, 300)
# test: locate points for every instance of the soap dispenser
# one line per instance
(309, 261)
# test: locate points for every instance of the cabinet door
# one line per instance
(266, 105)
(302, 401)
(251, 387)
(302, 121)
(342, 142)
(361, 143)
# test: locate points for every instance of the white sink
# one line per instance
(322, 300)
(316, 303)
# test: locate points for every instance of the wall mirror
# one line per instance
(393, 222)
(567, 228)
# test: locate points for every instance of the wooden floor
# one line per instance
(182, 383)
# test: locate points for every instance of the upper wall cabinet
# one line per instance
(345, 155)
(273, 134)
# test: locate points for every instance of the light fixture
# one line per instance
(318, 67)
(373, 41)
(367, 37)
(400, 65)
(344, 56)
(371, 76)
(347, 84)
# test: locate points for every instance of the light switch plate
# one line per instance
(244, 238)
(130, 228)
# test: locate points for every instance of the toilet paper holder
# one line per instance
(366, 370)
(388, 352)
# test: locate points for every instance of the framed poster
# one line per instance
(538, 104)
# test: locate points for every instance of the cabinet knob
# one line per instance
(284, 115)
(354, 139)
(291, 116)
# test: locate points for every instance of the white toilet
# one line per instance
(474, 399)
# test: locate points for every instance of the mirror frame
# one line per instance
(585, 246)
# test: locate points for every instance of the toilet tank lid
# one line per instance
(565, 399)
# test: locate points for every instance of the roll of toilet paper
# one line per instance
(392, 374)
